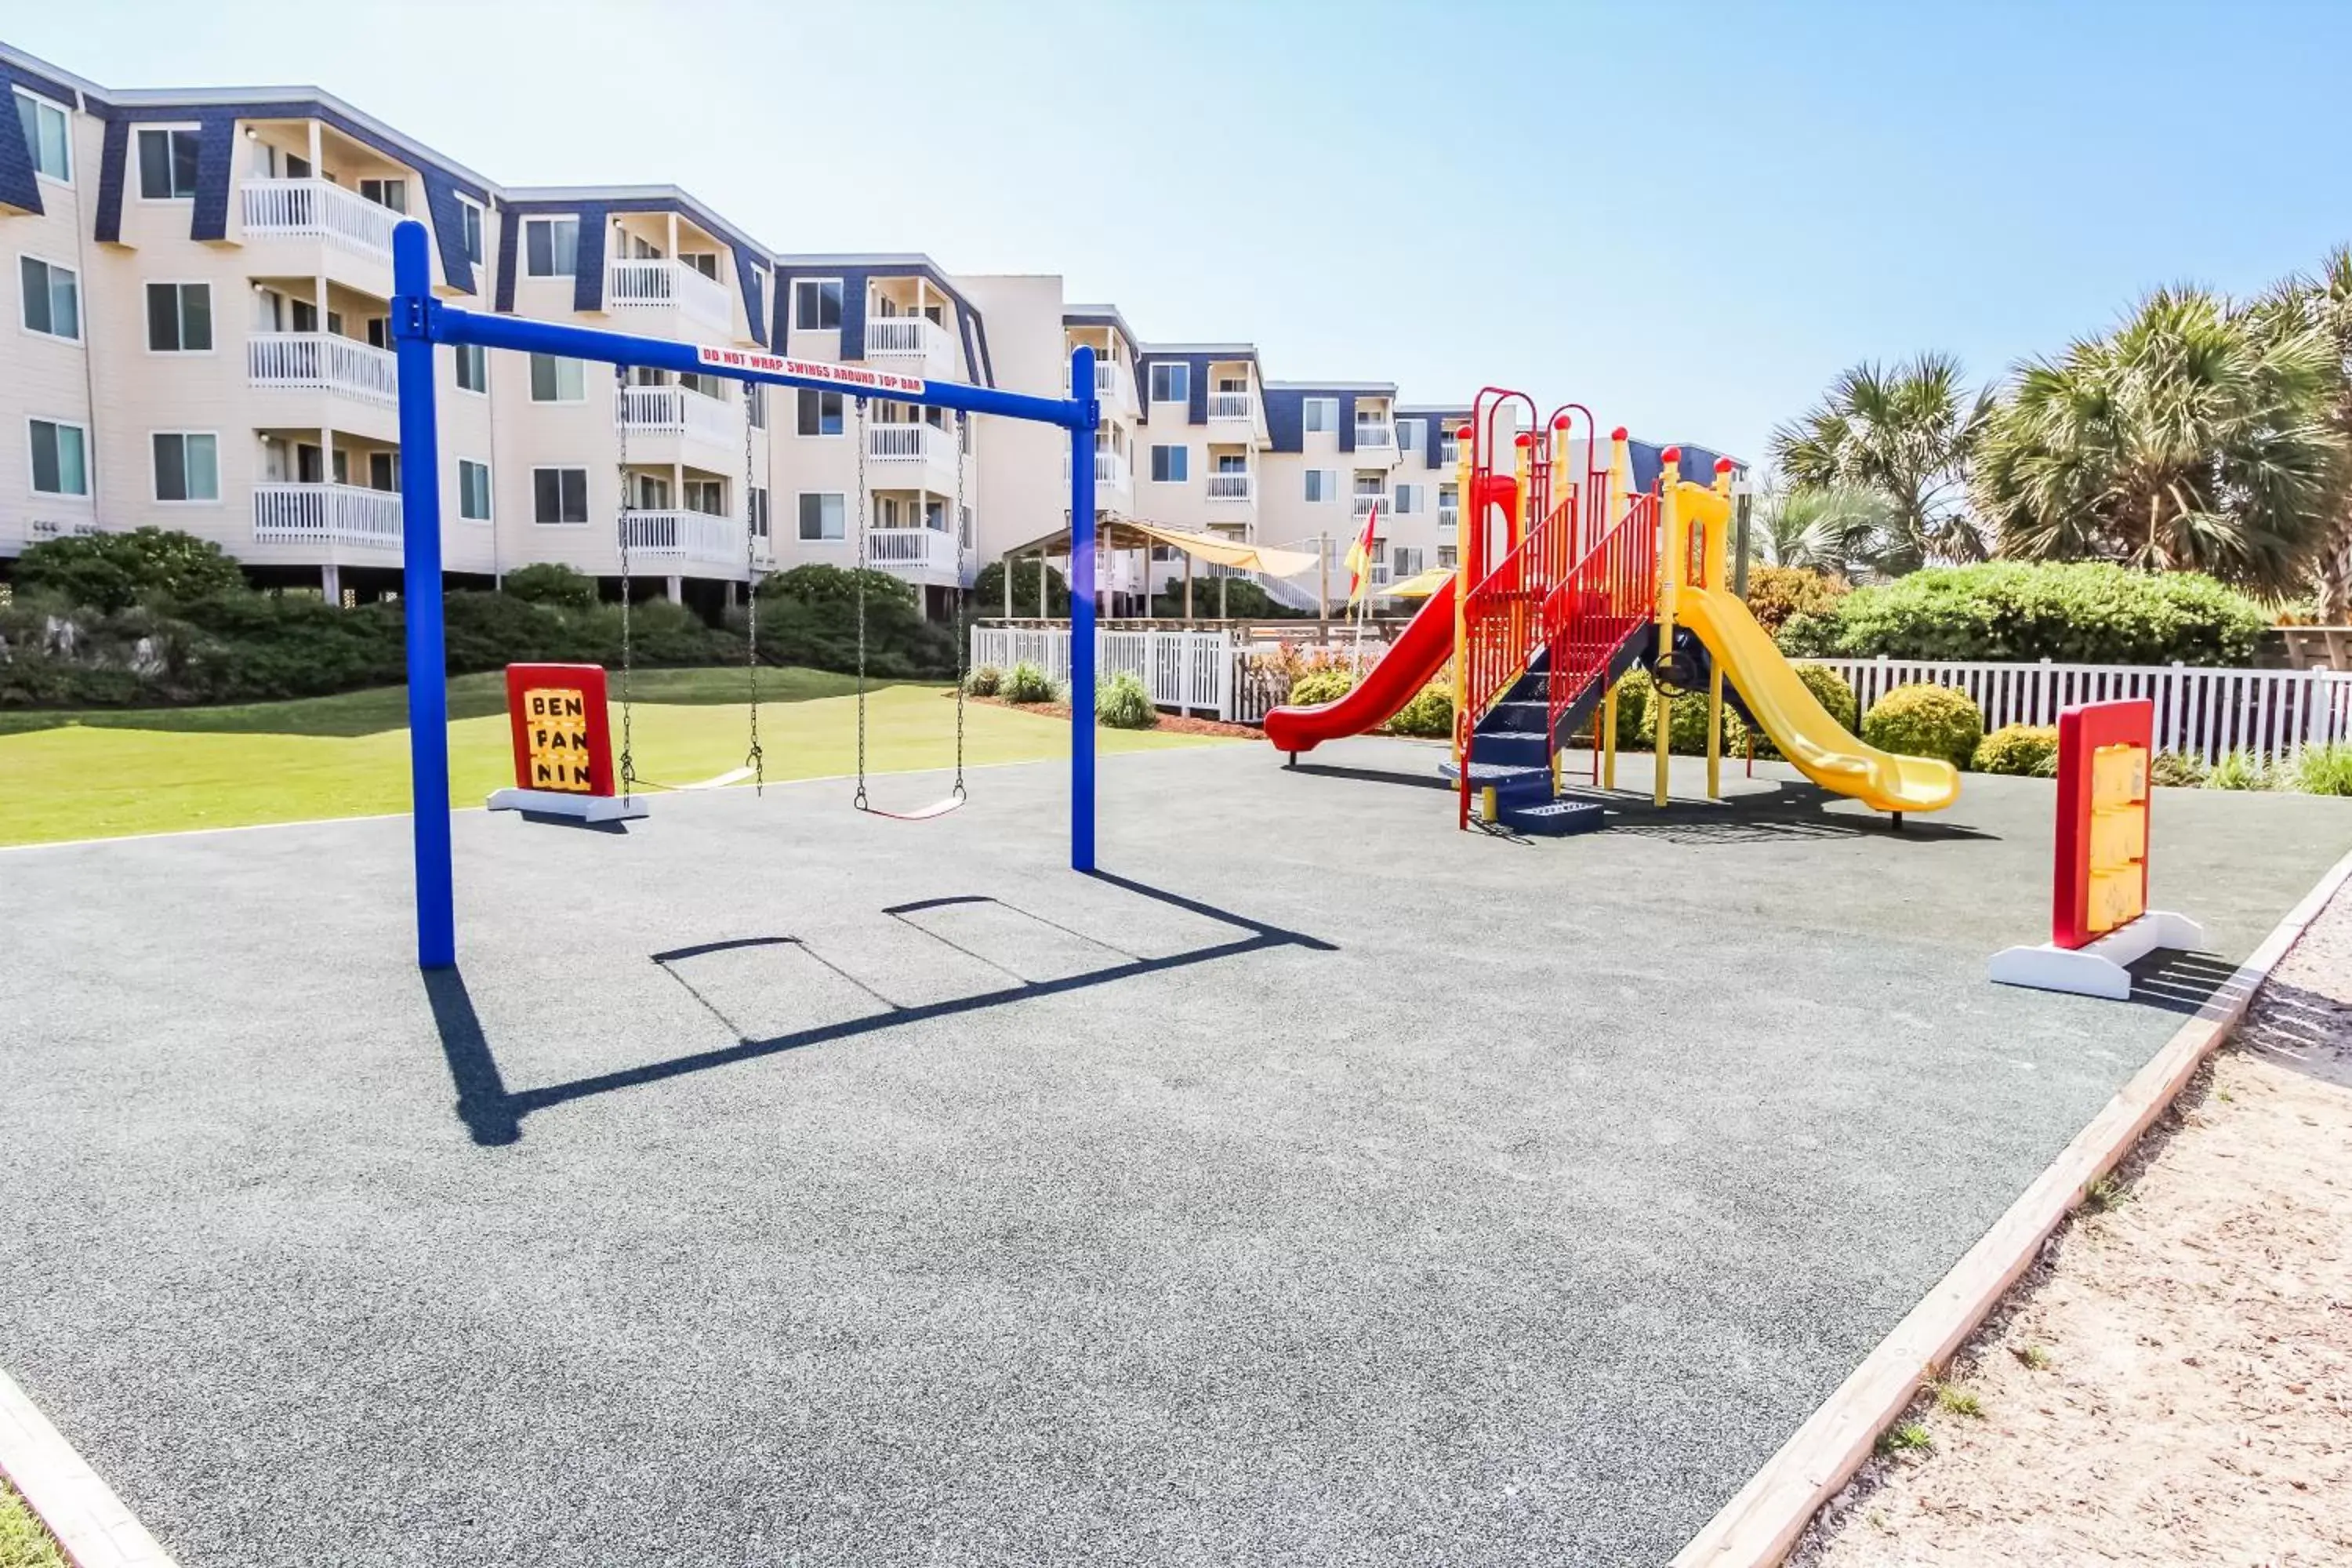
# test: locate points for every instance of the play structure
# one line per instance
(564, 746)
(2100, 923)
(420, 321)
(1575, 577)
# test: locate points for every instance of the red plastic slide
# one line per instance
(1407, 666)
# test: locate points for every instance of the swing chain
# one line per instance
(621, 418)
(754, 759)
(859, 800)
(961, 524)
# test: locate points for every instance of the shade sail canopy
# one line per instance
(1215, 548)
(1420, 585)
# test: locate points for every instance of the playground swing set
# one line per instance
(560, 724)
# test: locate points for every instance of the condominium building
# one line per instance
(200, 282)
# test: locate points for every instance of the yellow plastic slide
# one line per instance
(1803, 730)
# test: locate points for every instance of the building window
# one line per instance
(1449, 505)
(816, 304)
(550, 246)
(1408, 499)
(707, 497)
(1322, 484)
(52, 298)
(1446, 557)
(819, 411)
(60, 458)
(554, 379)
(1407, 561)
(759, 512)
(558, 495)
(45, 136)
(703, 261)
(1171, 381)
(470, 217)
(167, 164)
(393, 194)
(821, 516)
(1171, 465)
(1409, 434)
(473, 367)
(383, 470)
(755, 405)
(187, 465)
(180, 318)
(1322, 413)
(473, 490)
(1449, 449)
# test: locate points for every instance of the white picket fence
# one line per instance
(2208, 712)
(1190, 671)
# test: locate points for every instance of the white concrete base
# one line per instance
(79, 1509)
(2100, 968)
(559, 802)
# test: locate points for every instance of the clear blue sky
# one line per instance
(1689, 218)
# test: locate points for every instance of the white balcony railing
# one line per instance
(1448, 519)
(1225, 405)
(1230, 487)
(1106, 382)
(915, 443)
(911, 549)
(908, 337)
(1374, 433)
(685, 536)
(1366, 502)
(1110, 470)
(651, 284)
(675, 411)
(324, 362)
(318, 209)
(342, 514)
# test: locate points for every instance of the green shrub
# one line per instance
(2181, 770)
(1317, 686)
(1832, 690)
(2239, 770)
(1687, 735)
(2083, 612)
(1244, 601)
(984, 681)
(547, 582)
(1122, 703)
(1430, 714)
(112, 572)
(1027, 683)
(2022, 751)
(988, 590)
(1924, 720)
(2324, 770)
(808, 616)
(1776, 592)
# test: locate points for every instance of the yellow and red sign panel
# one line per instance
(563, 734)
(2104, 751)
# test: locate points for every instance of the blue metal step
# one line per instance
(1551, 818)
(1508, 780)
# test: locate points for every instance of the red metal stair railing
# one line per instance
(1610, 592)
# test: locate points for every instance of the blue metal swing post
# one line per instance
(420, 321)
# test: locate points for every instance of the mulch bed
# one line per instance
(1173, 723)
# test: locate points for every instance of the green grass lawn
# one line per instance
(23, 1542)
(104, 775)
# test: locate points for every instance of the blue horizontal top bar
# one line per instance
(449, 324)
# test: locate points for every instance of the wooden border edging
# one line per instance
(69, 1497)
(1759, 1525)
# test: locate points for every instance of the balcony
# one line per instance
(675, 411)
(1111, 471)
(1366, 499)
(917, 338)
(326, 514)
(670, 285)
(1231, 487)
(916, 443)
(1375, 435)
(684, 536)
(1107, 383)
(1226, 406)
(916, 550)
(1448, 519)
(323, 362)
(318, 209)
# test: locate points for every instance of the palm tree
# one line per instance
(1838, 529)
(1907, 433)
(2324, 302)
(2193, 436)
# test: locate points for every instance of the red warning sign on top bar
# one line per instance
(807, 369)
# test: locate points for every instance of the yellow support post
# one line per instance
(1674, 546)
(1715, 524)
(1608, 739)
